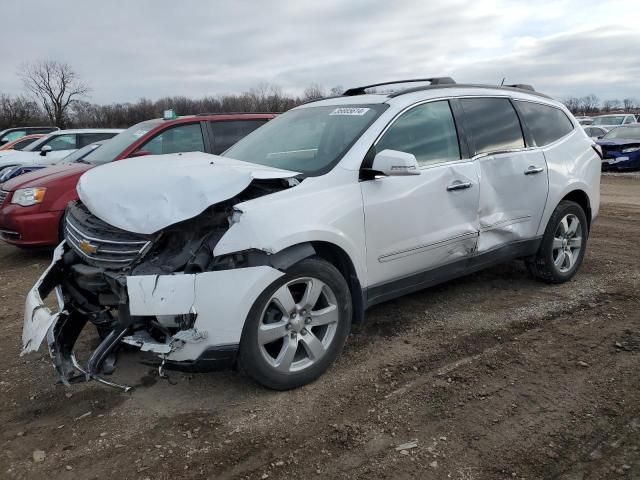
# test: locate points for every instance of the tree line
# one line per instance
(592, 105)
(56, 95)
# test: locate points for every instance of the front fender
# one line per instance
(333, 215)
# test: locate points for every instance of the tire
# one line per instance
(563, 244)
(286, 341)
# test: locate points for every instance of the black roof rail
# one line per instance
(433, 81)
(521, 86)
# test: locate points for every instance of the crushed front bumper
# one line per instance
(38, 318)
(219, 301)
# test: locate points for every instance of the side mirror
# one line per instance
(599, 137)
(139, 153)
(394, 163)
(44, 150)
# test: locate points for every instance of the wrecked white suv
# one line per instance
(266, 256)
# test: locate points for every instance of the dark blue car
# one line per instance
(621, 148)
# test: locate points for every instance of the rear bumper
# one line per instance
(29, 227)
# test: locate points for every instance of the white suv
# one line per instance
(267, 255)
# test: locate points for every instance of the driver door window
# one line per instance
(61, 142)
(427, 131)
(183, 138)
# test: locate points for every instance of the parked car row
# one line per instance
(264, 253)
(34, 203)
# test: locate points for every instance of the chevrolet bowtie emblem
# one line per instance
(87, 247)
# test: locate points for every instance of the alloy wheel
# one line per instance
(298, 324)
(567, 243)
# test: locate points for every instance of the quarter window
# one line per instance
(227, 133)
(427, 131)
(546, 123)
(183, 138)
(492, 124)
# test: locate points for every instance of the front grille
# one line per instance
(3, 196)
(99, 243)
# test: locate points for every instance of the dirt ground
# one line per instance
(493, 376)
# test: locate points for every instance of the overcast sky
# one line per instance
(127, 49)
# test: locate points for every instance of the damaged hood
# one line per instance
(145, 194)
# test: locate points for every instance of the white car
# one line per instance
(596, 132)
(267, 255)
(613, 120)
(52, 148)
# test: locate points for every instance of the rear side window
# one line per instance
(492, 124)
(427, 131)
(547, 124)
(183, 138)
(227, 133)
(85, 139)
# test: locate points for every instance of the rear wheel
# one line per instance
(297, 327)
(563, 244)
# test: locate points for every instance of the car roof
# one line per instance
(412, 95)
(614, 115)
(217, 117)
(87, 130)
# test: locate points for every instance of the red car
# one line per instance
(32, 205)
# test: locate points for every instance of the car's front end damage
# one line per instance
(164, 292)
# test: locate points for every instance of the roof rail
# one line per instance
(433, 81)
(521, 86)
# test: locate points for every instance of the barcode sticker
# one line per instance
(357, 111)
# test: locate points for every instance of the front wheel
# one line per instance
(563, 244)
(297, 326)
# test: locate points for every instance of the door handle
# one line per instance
(458, 185)
(533, 170)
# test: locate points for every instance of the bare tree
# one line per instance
(590, 103)
(56, 86)
(313, 92)
(629, 104)
(337, 90)
(19, 111)
(572, 103)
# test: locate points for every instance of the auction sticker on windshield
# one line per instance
(357, 111)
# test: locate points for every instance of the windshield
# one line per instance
(615, 120)
(79, 155)
(309, 140)
(116, 145)
(630, 133)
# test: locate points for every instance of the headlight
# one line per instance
(630, 149)
(28, 196)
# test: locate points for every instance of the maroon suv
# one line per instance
(32, 205)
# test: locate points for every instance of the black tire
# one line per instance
(542, 265)
(251, 358)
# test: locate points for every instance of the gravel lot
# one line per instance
(492, 376)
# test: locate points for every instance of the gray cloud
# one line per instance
(127, 50)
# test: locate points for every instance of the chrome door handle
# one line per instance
(457, 185)
(533, 170)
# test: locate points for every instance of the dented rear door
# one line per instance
(513, 193)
